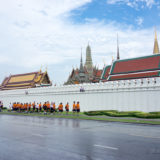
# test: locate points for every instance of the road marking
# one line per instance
(107, 147)
(143, 136)
(39, 135)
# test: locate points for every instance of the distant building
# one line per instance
(85, 73)
(134, 68)
(27, 80)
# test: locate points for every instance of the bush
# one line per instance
(114, 113)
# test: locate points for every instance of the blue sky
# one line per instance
(138, 14)
(50, 34)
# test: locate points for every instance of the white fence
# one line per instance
(124, 95)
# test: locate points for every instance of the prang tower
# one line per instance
(88, 63)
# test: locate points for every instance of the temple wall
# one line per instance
(125, 95)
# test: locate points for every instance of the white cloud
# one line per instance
(41, 32)
(134, 3)
(139, 21)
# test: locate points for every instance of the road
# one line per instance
(40, 138)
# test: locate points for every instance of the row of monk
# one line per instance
(47, 107)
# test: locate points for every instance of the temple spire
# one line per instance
(156, 48)
(81, 63)
(88, 63)
(118, 57)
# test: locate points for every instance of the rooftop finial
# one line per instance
(156, 47)
(46, 68)
(155, 33)
(40, 69)
(118, 57)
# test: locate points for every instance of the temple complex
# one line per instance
(27, 80)
(85, 73)
(133, 68)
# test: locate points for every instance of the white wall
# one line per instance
(128, 95)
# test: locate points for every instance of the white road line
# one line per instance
(144, 136)
(39, 135)
(107, 147)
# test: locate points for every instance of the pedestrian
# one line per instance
(74, 107)
(67, 108)
(60, 107)
(29, 107)
(37, 106)
(33, 106)
(48, 106)
(10, 107)
(51, 107)
(40, 107)
(45, 108)
(54, 107)
(78, 108)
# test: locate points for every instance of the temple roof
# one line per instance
(27, 80)
(141, 67)
(105, 72)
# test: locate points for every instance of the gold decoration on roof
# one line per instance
(22, 78)
(156, 47)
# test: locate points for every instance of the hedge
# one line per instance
(115, 113)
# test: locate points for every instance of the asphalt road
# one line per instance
(40, 138)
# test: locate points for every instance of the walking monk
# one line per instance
(74, 107)
(78, 108)
(67, 107)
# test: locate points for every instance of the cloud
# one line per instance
(134, 3)
(35, 33)
(139, 21)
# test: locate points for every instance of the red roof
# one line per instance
(136, 65)
(135, 75)
(142, 67)
(105, 72)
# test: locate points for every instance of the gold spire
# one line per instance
(40, 71)
(112, 58)
(156, 48)
(118, 57)
(46, 69)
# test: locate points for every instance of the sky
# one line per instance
(49, 34)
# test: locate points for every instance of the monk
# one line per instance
(74, 107)
(67, 108)
(54, 107)
(78, 108)
(48, 106)
(34, 106)
(29, 106)
(60, 107)
(40, 107)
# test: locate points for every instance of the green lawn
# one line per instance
(85, 117)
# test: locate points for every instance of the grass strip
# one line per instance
(81, 116)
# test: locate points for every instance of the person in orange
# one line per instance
(25, 106)
(34, 106)
(60, 107)
(45, 107)
(67, 107)
(74, 107)
(40, 107)
(19, 106)
(48, 106)
(29, 106)
(14, 106)
(78, 107)
(54, 107)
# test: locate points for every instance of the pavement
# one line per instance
(42, 138)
